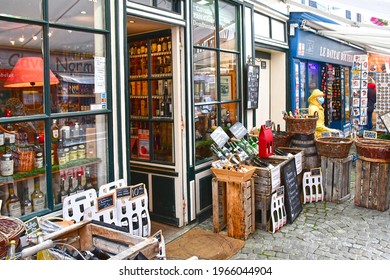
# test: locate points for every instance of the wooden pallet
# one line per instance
(372, 189)
(233, 207)
(336, 178)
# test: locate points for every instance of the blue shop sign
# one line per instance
(308, 45)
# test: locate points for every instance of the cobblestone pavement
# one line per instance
(323, 231)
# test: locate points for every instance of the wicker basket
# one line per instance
(233, 176)
(373, 150)
(10, 229)
(334, 147)
(301, 125)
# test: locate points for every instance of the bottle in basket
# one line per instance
(11, 250)
(135, 224)
(37, 196)
(13, 202)
(145, 225)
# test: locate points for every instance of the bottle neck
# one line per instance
(36, 184)
(11, 189)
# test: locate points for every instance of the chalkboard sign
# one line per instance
(252, 83)
(122, 192)
(32, 225)
(105, 202)
(219, 136)
(315, 171)
(137, 190)
(292, 200)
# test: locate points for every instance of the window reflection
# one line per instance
(31, 8)
(206, 121)
(204, 23)
(204, 76)
(227, 26)
(81, 13)
(74, 64)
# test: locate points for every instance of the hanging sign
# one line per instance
(252, 82)
(105, 202)
(137, 190)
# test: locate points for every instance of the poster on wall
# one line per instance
(252, 82)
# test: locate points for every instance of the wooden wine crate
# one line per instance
(372, 185)
(336, 178)
(119, 244)
(233, 207)
(267, 180)
(262, 211)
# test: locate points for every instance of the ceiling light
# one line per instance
(12, 42)
(131, 21)
(35, 37)
(83, 12)
(21, 39)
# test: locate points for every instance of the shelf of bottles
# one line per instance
(23, 168)
(151, 97)
(74, 97)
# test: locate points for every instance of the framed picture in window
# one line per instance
(226, 87)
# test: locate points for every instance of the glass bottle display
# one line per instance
(26, 201)
(13, 202)
(151, 97)
(37, 196)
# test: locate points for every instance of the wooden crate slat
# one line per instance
(358, 182)
(372, 180)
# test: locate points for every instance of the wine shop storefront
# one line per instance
(96, 91)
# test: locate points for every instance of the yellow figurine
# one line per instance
(316, 100)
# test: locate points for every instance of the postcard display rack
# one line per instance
(382, 99)
(359, 93)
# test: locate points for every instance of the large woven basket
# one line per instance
(373, 150)
(334, 147)
(301, 125)
(10, 229)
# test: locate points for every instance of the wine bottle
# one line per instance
(11, 255)
(134, 220)
(62, 193)
(38, 160)
(100, 254)
(7, 161)
(145, 225)
(13, 202)
(37, 196)
(26, 202)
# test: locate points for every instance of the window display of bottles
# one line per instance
(74, 97)
(151, 97)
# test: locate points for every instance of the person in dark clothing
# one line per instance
(371, 95)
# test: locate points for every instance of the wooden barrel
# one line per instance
(307, 143)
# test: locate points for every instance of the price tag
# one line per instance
(137, 190)
(238, 130)
(219, 136)
(370, 134)
(268, 123)
(105, 202)
(325, 134)
(123, 192)
(32, 225)
(315, 171)
(304, 111)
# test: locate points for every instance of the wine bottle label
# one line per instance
(38, 161)
(55, 133)
(11, 137)
(14, 209)
(27, 209)
(7, 166)
(38, 203)
(145, 230)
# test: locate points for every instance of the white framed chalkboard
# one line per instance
(252, 85)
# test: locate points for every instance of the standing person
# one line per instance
(371, 95)
(316, 100)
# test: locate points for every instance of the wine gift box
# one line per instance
(120, 245)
